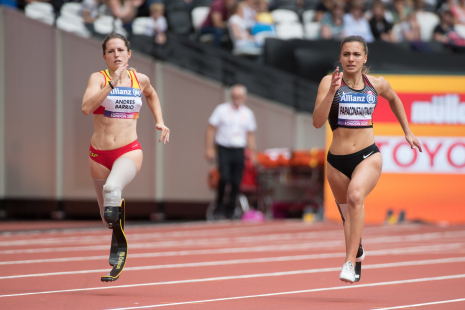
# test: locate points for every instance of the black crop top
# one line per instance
(352, 108)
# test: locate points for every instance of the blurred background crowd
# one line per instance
(242, 26)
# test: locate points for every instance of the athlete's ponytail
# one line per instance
(360, 40)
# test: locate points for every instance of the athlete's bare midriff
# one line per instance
(113, 133)
(348, 140)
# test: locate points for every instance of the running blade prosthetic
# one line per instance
(114, 244)
(358, 263)
(118, 260)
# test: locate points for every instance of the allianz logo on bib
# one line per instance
(357, 98)
(136, 92)
(125, 91)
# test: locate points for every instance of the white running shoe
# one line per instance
(360, 257)
(347, 273)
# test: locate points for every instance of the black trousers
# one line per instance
(231, 165)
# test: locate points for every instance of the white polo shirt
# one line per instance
(232, 125)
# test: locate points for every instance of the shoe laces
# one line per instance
(349, 267)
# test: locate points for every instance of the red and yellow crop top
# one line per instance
(122, 102)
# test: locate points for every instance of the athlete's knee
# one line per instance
(355, 198)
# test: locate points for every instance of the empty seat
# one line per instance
(427, 22)
(179, 21)
(140, 25)
(197, 3)
(73, 25)
(312, 30)
(284, 16)
(460, 30)
(41, 11)
(104, 24)
(287, 31)
(308, 16)
(71, 9)
(199, 14)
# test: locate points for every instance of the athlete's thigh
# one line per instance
(366, 175)
(136, 156)
(97, 171)
(338, 182)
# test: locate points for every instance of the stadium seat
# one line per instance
(73, 25)
(460, 30)
(104, 24)
(427, 22)
(179, 21)
(41, 11)
(308, 16)
(199, 14)
(287, 31)
(312, 30)
(311, 4)
(71, 9)
(139, 25)
(198, 3)
(284, 16)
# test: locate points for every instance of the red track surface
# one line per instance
(274, 265)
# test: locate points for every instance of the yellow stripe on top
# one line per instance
(106, 75)
(131, 74)
(135, 81)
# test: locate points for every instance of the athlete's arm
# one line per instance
(154, 104)
(385, 90)
(97, 91)
(326, 91)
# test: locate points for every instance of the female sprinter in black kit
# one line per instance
(347, 101)
(115, 156)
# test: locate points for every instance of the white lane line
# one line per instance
(183, 234)
(249, 240)
(248, 276)
(298, 292)
(230, 232)
(258, 249)
(243, 261)
(424, 304)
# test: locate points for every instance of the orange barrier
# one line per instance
(427, 186)
(313, 158)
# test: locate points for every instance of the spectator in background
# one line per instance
(263, 13)
(380, 27)
(355, 24)
(445, 33)
(411, 33)
(323, 7)
(250, 12)
(90, 13)
(458, 9)
(231, 128)
(157, 25)
(332, 23)
(242, 40)
(217, 19)
(126, 10)
(9, 3)
(401, 11)
(411, 28)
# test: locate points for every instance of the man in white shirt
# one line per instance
(231, 127)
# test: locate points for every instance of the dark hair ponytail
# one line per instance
(360, 40)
